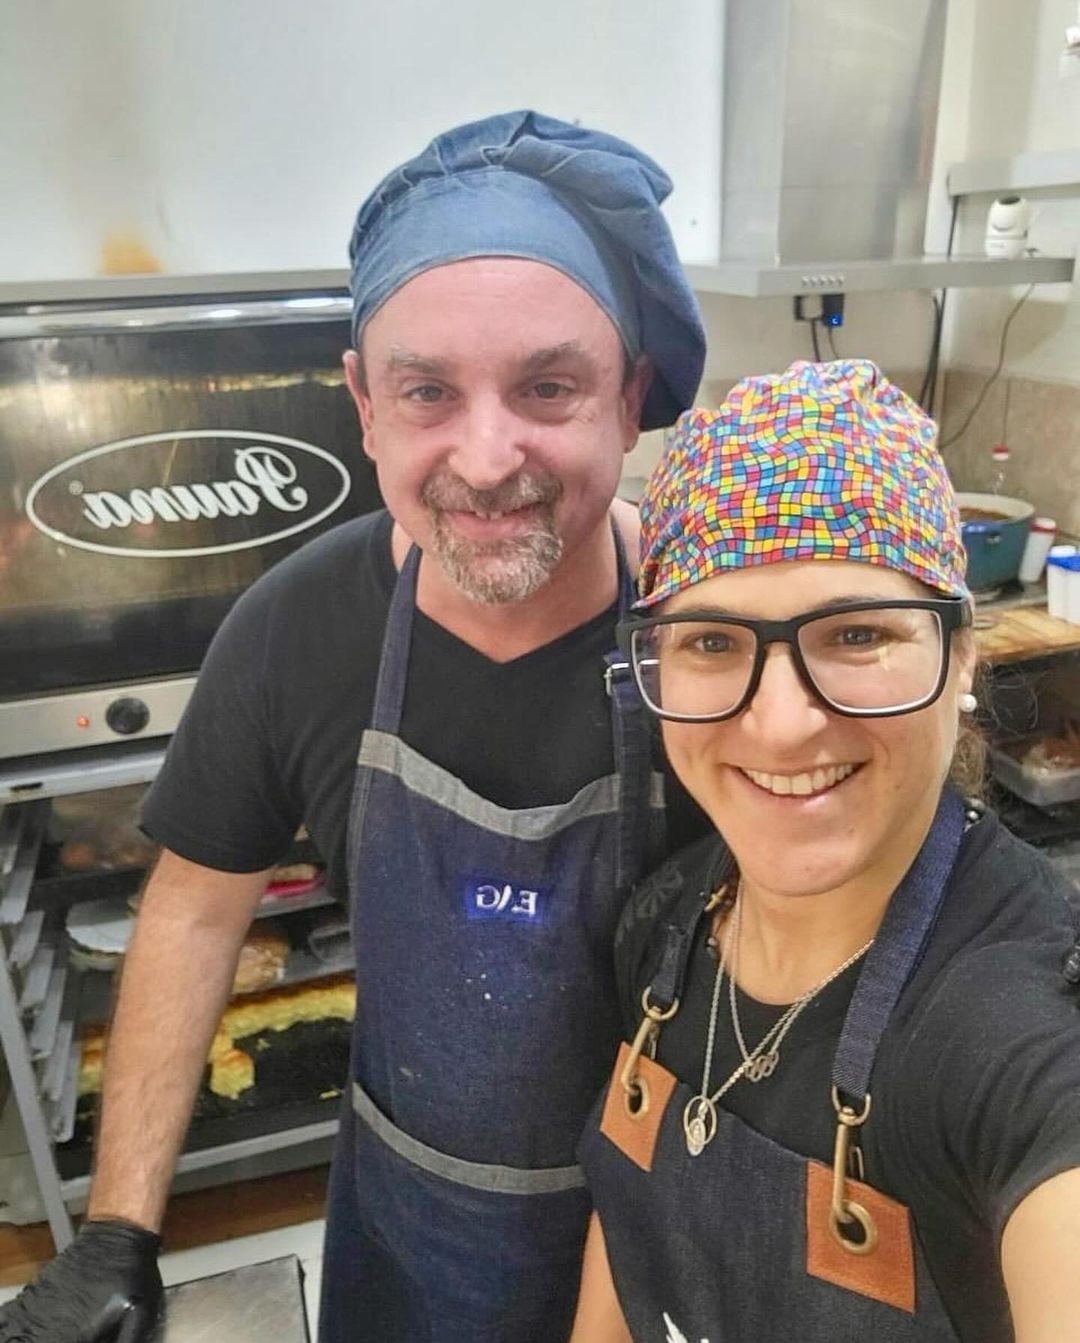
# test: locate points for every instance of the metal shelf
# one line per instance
(303, 967)
(759, 279)
(61, 1114)
(16, 890)
(85, 771)
(27, 936)
(52, 1070)
(1057, 172)
(11, 824)
(26, 295)
(242, 1150)
(317, 898)
(35, 981)
(44, 997)
(47, 1022)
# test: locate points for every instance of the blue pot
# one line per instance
(995, 546)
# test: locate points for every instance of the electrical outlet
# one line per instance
(809, 307)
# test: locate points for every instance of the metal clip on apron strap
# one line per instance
(895, 956)
(660, 999)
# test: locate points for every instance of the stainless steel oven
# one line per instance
(158, 452)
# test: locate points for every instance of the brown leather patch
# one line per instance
(887, 1273)
(635, 1134)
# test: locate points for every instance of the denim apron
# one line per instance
(749, 1242)
(486, 1020)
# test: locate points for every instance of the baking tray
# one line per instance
(243, 1305)
(1041, 787)
(299, 1077)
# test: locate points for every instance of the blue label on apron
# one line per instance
(505, 901)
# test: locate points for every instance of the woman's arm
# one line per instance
(599, 1316)
(1040, 1261)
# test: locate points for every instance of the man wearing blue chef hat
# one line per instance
(430, 689)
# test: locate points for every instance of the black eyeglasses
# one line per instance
(873, 659)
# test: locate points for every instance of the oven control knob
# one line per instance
(127, 715)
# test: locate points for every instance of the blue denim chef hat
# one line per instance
(525, 185)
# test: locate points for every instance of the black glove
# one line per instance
(104, 1288)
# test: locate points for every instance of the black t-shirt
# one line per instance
(271, 735)
(976, 1085)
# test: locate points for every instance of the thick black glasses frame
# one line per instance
(952, 612)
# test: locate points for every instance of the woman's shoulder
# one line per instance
(1006, 894)
(1001, 940)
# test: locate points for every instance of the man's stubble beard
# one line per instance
(500, 572)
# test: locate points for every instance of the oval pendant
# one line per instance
(699, 1124)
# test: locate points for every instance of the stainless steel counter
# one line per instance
(247, 1305)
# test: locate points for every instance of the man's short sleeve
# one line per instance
(219, 799)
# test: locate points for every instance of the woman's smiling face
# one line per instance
(807, 799)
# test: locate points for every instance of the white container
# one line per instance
(1036, 549)
(1072, 589)
(1057, 579)
(1007, 227)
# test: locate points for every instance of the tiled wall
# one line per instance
(1040, 423)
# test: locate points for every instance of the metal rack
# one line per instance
(44, 996)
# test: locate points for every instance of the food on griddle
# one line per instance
(333, 998)
(232, 1073)
(92, 1063)
(262, 959)
(281, 1008)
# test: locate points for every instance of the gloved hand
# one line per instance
(104, 1288)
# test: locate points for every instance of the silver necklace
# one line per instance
(699, 1116)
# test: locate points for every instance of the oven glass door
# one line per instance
(147, 478)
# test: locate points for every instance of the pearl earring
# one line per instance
(967, 702)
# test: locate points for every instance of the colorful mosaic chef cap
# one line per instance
(824, 461)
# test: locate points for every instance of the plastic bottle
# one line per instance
(1036, 549)
(1057, 577)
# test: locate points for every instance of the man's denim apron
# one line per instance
(730, 1246)
(486, 1019)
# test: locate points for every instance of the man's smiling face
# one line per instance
(495, 407)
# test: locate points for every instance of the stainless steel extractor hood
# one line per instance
(830, 112)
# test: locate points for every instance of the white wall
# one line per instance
(73, 159)
(235, 135)
(239, 134)
(1016, 101)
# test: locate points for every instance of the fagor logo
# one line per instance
(188, 493)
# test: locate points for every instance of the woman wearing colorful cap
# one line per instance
(848, 1106)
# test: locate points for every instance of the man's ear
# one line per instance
(356, 382)
(635, 389)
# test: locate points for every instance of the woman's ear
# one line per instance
(966, 656)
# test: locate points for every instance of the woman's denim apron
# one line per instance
(739, 1244)
(486, 1019)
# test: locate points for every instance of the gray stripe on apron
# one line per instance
(385, 752)
(472, 1174)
